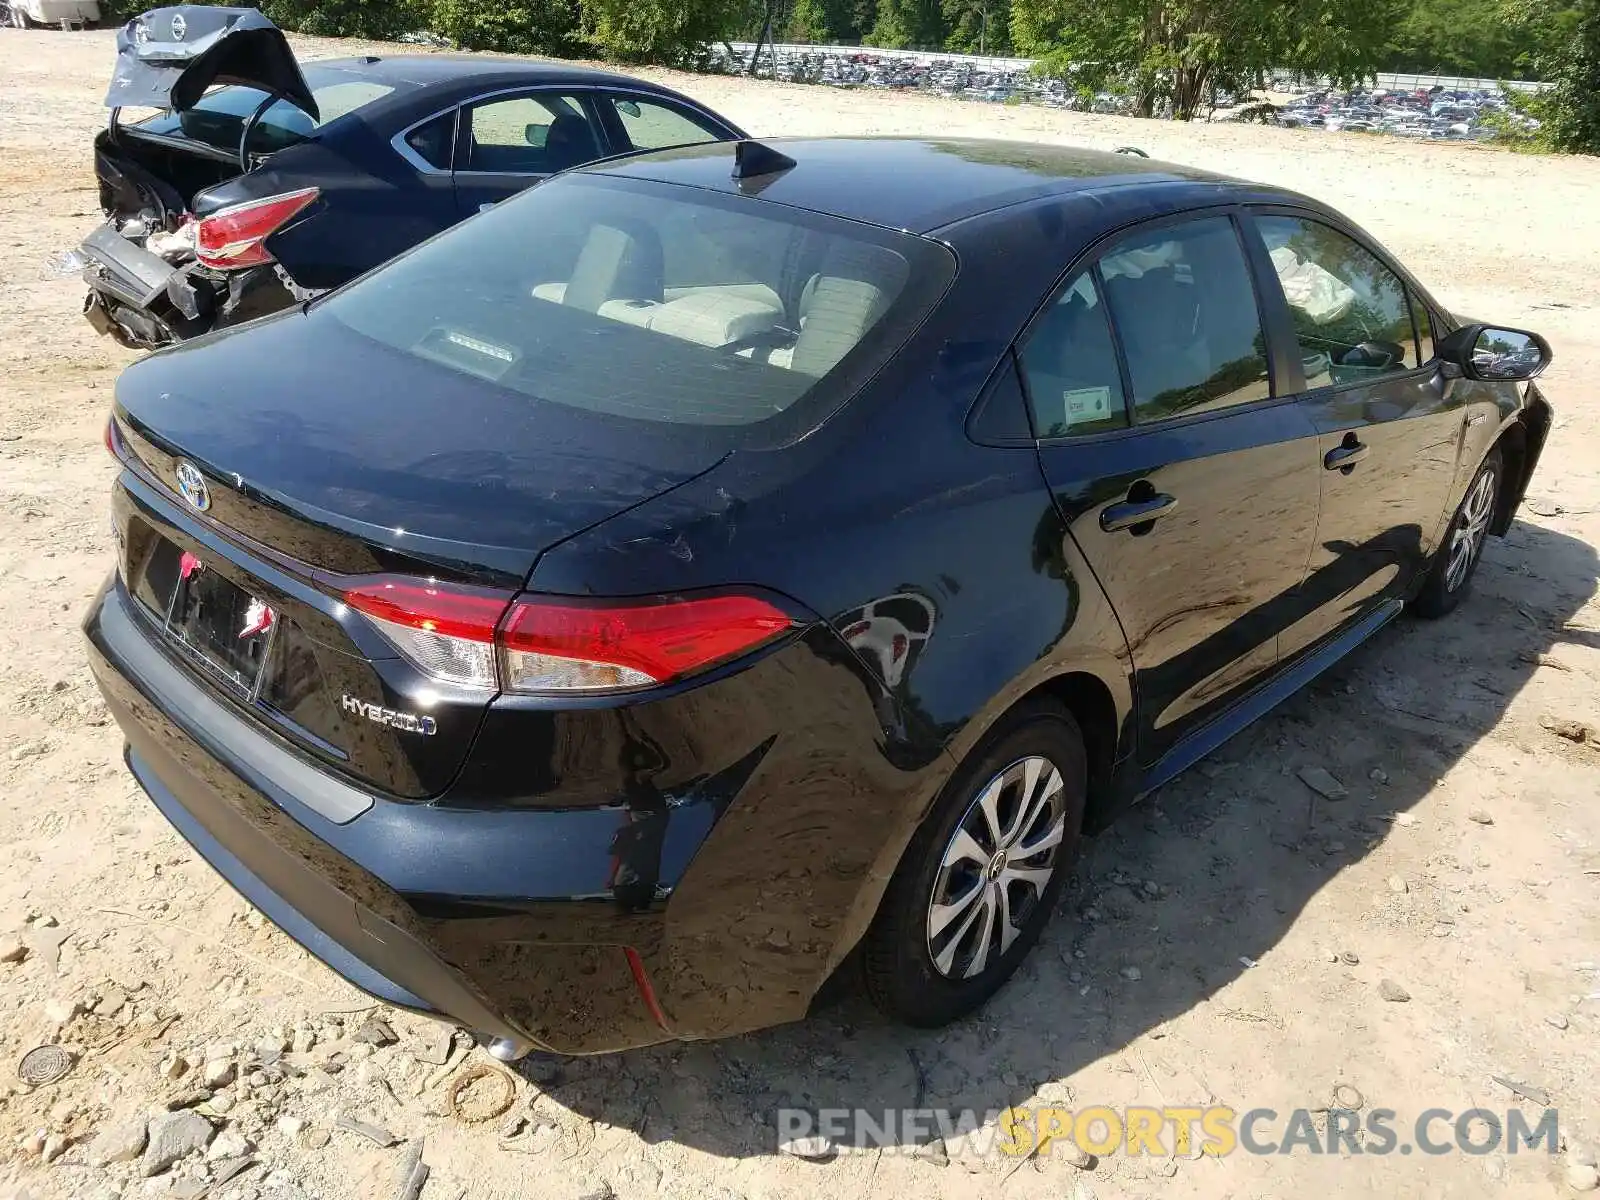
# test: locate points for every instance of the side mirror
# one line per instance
(1491, 354)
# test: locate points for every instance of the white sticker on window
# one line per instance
(1084, 405)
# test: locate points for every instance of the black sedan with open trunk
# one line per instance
(262, 181)
(716, 571)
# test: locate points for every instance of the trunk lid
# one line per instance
(169, 57)
(325, 456)
(339, 451)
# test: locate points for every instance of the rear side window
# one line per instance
(1184, 307)
(1070, 365)
(652, 126)
(653, 302)
(432, 140)
(1351, 313)
(536, 134)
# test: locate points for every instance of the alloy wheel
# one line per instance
(995, 867)
(1472, 526)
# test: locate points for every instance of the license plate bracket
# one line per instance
(218, 624)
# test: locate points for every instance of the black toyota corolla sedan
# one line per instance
(711, 570)
(262, 181)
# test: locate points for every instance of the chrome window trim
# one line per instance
(423, 166)
(404, 149)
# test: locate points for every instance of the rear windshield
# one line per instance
(654, 302)
(218, 118)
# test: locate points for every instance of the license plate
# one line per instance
(223, 627)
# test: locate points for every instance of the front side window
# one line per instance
(536, 134)
(652, 126)
(653, 302)
(1184, 307)
(1351, 313)
(1070, 365)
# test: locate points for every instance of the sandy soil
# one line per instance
(1253, 884)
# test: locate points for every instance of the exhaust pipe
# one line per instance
(507, 1050)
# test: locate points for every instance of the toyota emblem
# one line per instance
(192, 485)
(179, 27)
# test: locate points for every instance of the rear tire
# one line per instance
(983, 873)
(1456, 560)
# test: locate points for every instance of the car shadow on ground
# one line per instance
(1207, 875)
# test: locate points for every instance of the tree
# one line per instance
(380, 19)
(810, 21)
(1569, 60)
(675, 32)
(517, 26)
(978, 26)
(905, 24)
(1173, 54)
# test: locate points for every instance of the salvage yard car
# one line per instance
(262, 182)
(717, 572)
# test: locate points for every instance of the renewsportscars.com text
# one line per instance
(1177, 1130)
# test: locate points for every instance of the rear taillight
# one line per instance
(233, 236)
(545, 644)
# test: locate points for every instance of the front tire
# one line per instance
(983, 873)
(1456, 560)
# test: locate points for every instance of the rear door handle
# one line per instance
(1344, 458)
(1128, 513)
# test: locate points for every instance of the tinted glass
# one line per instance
(1183, 305)
(570, 294)
(218, 118)
(536, 134)
(1070, 366)
(651, 126)
(1350, 312)
(432, 141)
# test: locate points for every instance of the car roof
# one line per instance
(917, 184)
(426, 70)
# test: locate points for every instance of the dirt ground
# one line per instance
(1233, 892)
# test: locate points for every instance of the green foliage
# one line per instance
(977, 26)
(376, 19)
(907, 24)
(674, 32)
(1570, 110)
(1458, 37)
(810, 21)
(1173, 54)
(517, 26)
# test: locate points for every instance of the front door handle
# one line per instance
(1345, 457)
(1129, 513)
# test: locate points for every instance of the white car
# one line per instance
(65, 13)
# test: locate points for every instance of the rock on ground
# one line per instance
(173, 1136)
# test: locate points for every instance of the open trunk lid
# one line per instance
(169, 57)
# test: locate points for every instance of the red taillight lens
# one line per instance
(559, 645)
(445, 630)
(486, 638)
(233, 237)
(111, 438)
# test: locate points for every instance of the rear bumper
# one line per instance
(321, 870)
(144, 301)
(721, 908)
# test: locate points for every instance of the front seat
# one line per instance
(619, 261)
(569, 143)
